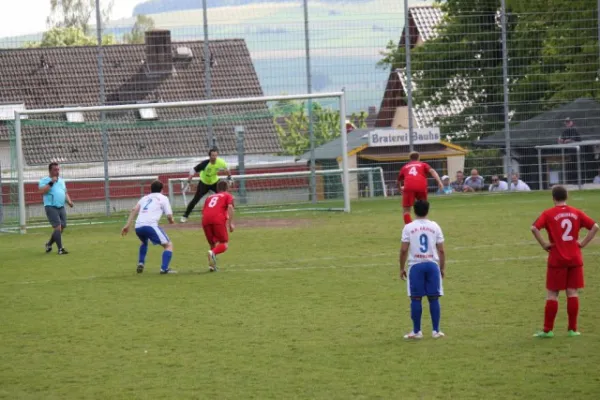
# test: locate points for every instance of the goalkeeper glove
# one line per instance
(229, 178)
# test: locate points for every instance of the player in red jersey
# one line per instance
(565, 262)
(414, 177)
(217, 218)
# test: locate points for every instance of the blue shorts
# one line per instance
(424, 279)
(153, 233)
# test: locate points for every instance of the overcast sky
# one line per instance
(20, 17)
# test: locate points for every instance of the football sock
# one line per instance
(550, 314)
(143, 252)
(51, 241)
(436, 313)
(407, 218)
(166, 259)
(57, 238)
(416, 310)
(220, 248)
(572, 311)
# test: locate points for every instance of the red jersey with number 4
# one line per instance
(563, 224)
(414, 174)
(215, 208)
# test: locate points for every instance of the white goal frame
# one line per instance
(20, 161)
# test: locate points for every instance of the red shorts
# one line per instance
(409, 197)
(216, 233)
(564, 278)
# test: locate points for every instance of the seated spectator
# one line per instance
(597, 178)
(459, 184)
(447, 187)
(518, 185)
(474, 182)
(498, 185)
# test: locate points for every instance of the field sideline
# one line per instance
(306, 305)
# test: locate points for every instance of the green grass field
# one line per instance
(314, 310)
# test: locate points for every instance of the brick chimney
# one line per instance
(159, 55)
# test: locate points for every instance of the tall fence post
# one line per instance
(212, 143)
(239, 135)
(1, 198)
(311, 132)
(102, 102)
(505, 87)
(409, 102)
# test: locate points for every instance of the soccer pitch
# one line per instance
(305, 306)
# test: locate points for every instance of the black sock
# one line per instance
(57, 237)
(51, 241)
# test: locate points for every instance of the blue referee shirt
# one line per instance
(57, 195)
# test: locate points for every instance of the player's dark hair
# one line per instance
(222, 186)
(421, 208)
(156, 187)
(559, 193)
(212, 150)
(414, 156)
(52, 165)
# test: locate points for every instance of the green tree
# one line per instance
(75, 13)
(142, 24)
(64, 37)
(552, 57)
(293, 127)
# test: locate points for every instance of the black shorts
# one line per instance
(56, 216)
(203, 189)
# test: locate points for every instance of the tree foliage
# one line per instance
(75, 13)
(142, 24)
(64, 37)
(292, 124)
(552, 57)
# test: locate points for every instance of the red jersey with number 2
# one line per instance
(215, 208)
(414, 174)
(563, 224)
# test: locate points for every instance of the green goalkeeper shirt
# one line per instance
(209, 172)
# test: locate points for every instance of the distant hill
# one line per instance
(160, 6)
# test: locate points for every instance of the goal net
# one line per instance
(109, 155)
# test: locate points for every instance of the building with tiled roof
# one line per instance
(423, 21)
(158, 71)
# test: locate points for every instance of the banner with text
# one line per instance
(399, 137)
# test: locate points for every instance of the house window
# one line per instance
(148, 113)
(75, 117)
(7, 111)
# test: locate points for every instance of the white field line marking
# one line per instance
(283, 269)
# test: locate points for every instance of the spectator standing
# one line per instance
(518, 185)
(570, 135)
(597, 178)
(474, 182)
(498, 185)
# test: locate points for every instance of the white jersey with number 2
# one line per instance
(423, 236)
(152, 208)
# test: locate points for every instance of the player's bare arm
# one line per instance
(132, 215)
(69, 201)
(170, 219)
(403, 257)
(230, 212)
(435, 176)
(442, 256)
(538, 236)
(590, 236)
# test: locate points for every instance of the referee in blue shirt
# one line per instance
(55, 195)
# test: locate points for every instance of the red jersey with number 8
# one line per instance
(563, 224)
(215, 208)
(414, 175)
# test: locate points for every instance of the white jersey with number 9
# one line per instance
(422, 235)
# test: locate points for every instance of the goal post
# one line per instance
(166, 137)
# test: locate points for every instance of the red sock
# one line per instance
(572, 311)
(407, 218)
(550, 314)
(220, 248)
